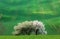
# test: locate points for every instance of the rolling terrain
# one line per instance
(15, 11)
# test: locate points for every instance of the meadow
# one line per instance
(15, 11)
(32, 37)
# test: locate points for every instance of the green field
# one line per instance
(15, 11)
(32, 37)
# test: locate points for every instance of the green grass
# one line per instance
(32, 37)
(53, 25)
(15, 11)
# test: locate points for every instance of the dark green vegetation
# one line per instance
(15, 11)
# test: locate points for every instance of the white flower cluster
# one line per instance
(26, 28)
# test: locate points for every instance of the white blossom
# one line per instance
(30, 24)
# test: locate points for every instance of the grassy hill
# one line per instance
(15, 11)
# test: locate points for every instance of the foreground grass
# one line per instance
(32, 37)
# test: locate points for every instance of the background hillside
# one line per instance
(15, 11)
